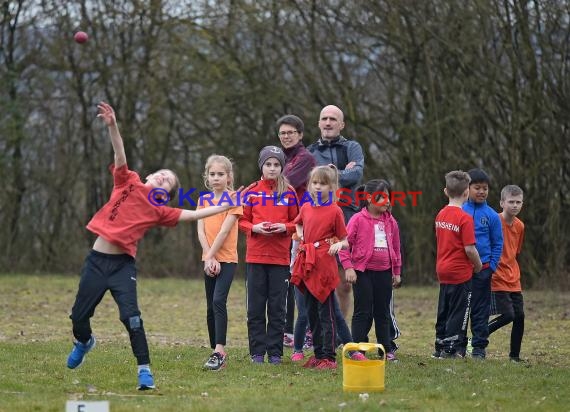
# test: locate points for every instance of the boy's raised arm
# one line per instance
(189, 215)
(107, 113)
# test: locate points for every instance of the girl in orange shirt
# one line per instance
(218, 237)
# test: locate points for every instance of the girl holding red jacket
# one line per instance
(320, 226)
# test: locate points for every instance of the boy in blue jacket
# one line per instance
(489, 244)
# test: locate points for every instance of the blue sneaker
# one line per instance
(78, 352)
(146, 381)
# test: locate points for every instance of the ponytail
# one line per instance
(371, 187)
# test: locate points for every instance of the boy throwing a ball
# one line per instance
(133, 208)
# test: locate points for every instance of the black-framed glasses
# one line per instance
(288, 133)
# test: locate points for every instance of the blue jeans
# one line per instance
(343, 332)
(480, 308)
(301, 323)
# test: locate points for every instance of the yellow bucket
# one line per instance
(364, 375)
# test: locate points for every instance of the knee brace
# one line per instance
(133, 324)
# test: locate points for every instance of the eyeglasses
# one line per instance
(288, 133)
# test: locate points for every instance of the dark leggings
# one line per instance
(217, 290)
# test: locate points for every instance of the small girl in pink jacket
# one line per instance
(374, 257)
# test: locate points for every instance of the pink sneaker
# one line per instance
(308, 344)
(326, 364)
(288, 340)
(391, 357)
(356, 355)
(311, 363)
(297, 356)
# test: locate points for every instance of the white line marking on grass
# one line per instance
(124, 395)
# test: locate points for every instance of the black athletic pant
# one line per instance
(117, 273)
(511, 309)
(452, 316)
(266, 291)
(322, 323)
(217, 290)
(372, 295)
(394, 329)
(480, 308)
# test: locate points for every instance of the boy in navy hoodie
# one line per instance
(489, 244)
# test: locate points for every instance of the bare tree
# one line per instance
(426, 87)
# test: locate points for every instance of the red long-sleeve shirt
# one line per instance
(314, 269)
(264, 205)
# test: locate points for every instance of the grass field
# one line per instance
(35, 338)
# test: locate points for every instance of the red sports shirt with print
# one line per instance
(454, 230)
(128, 214)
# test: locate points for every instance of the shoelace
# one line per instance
(215, 357)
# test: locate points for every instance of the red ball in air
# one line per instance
(80, 37)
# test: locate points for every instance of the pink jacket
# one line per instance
(361, 241)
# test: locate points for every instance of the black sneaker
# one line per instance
(478, 353)
(516, 359)
(216, 362)
(436, 354)
(452, 355)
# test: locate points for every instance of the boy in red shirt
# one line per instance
(506, 291)
(457, 259)
(133, 208)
